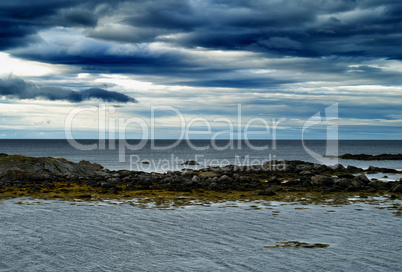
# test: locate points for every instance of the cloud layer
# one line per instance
(17, 88)
(278, 58)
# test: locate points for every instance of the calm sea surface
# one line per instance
(166, 155)
(58, 236)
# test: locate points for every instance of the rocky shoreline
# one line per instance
(367, 157)
(48, 177)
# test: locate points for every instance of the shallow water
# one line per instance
(59, 236)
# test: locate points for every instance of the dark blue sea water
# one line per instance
(165, 155)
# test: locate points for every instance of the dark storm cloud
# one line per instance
(16, 88)
(347, 31)
(301, 28)
(21, 20)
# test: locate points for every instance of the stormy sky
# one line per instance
(274, 59)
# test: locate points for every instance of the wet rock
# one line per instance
(357, 184)
(322, 180)
(343, 182)
(113, 191)
(303, 167)
(195, 179)
(224, 178)
(190, 162)
(366, 157)
(267, 193)
(362, 178)
(274, 180)
(397, 188)
(130, 187)
(85, 196)
(107, 185)
(374, 184)
(347, 176)
(352, 169)
(388, 170)
(275, 188)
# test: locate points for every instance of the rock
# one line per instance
(303, 167)
(374, 184)
(224, 178)
(274, 180)
(195, 179)
(244, 179)
(362, 178)
(388, 170)
(86, 196)
(373, 169)
(366, 157)
(352, 169)
(130, 187)
(347, 176)
(343, 182)
(357, 184)
(190, 162)
(397, 188)
(338, 167)
(267, 193)
(207, 175)
(321, 180)
(113, 191)
(107, 185)
(275, 188)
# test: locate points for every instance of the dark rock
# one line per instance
(106, 185)
(366, 157)
(343, 182)
(274, 180)
(357, 184)
(84, 196)
(113, 191)
(321, 180)
(362, 178)
(267, 193)
(190, 162)
(195, 179)
(130, 187)
(347, 176)
(388, 170)
(397, 188)
(353, 169)
(274, 188)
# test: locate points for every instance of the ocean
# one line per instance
(64, 236)
(165, 155)
(52, 235)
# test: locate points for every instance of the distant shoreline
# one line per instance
(367, 157)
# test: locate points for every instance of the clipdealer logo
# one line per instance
(112, 128)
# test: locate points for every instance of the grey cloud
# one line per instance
(16, 88)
